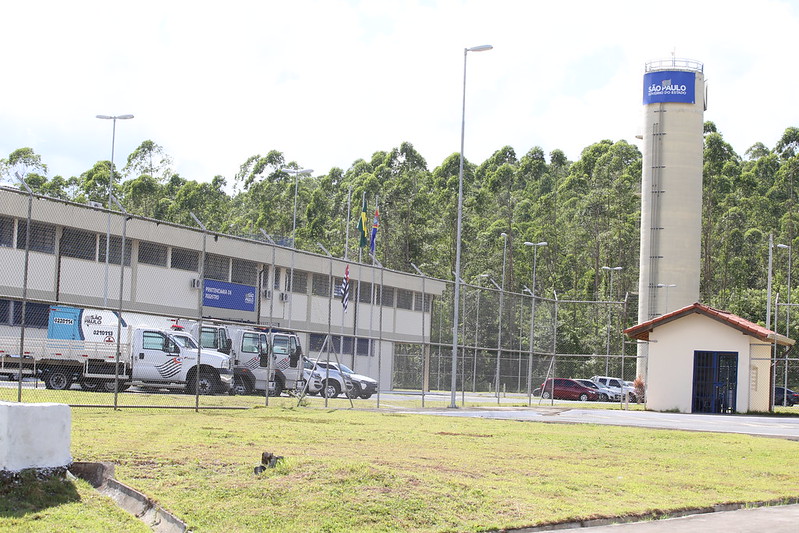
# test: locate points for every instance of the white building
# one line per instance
(703, 360)
(244, 280)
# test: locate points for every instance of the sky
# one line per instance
(328, 82)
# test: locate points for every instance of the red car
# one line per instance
(567, 389)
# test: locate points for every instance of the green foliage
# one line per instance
(587, 210)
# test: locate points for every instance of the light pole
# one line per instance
(535, 246)
(112, 118)
(787, 322)
(296, 173)
(457, 295)
(611, 270)
(788, 302)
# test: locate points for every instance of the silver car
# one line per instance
(606, 394)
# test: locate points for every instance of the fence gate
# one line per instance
(715, 382)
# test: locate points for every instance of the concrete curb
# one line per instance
(101, 477)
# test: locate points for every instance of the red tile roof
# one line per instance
(641, 331)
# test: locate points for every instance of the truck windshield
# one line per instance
(184, 341)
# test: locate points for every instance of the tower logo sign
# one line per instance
(669, 86)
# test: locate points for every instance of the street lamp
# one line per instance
(788, 310)
(113, 118)
(787, 322)
(457, 295)
(611, 270)
(296, 173)
(535, 246)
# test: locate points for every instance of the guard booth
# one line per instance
(705, 360)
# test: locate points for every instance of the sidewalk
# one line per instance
(776, 519)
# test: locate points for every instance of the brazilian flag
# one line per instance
(363, 226)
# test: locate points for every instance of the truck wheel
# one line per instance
(241, 387)
(108, 386)
(89, 385)
(366, 395)
(278, 390)
(209, 383)
(330, 389)
(57, 380)
(603, 397)
(546, 395)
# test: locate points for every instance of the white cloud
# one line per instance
(330, 81)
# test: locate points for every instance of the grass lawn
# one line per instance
(365, 470)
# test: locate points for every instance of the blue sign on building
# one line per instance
(669, 86)
(228, 295)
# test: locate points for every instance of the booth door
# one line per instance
(715, 382)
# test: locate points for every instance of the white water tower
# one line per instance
(674, 101)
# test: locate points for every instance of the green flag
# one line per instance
(363, 226)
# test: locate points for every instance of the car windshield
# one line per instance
(185, 341)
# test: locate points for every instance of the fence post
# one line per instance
(200, 317)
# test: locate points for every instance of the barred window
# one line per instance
(36, 315)
(79, 244)
(387, 298)
(185, 259)
(276, 284)
(42, 237)
(404, 299)
(6, 231)
(244, 272)
(300, 284)
(116, 247)
(217, 267)
(152, 254)
(417, 301)
(365, 292)
(363, 347)
(321, 285)
(5, 312)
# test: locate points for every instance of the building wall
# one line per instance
(671, 361)
(168, 291)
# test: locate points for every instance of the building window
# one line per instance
(300, 282)
(36, 315)
(42, 237)
(6, 231)
(79, 244)
(365, 292)
(116, 247)
(428, 298)
(404, 299)
(5, 312)
(244, 272)
(217, 267)
(387, 296)
(185, 259)
(276, 284)
(362, 347)
(152, 254)
(321, 285)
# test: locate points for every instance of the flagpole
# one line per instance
(347, 227)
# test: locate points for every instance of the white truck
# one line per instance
(81, 347)
(250, 348)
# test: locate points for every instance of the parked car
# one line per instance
(785, 396)
(338, 378)
(606, 394)
(567, 389)
(617, 385)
